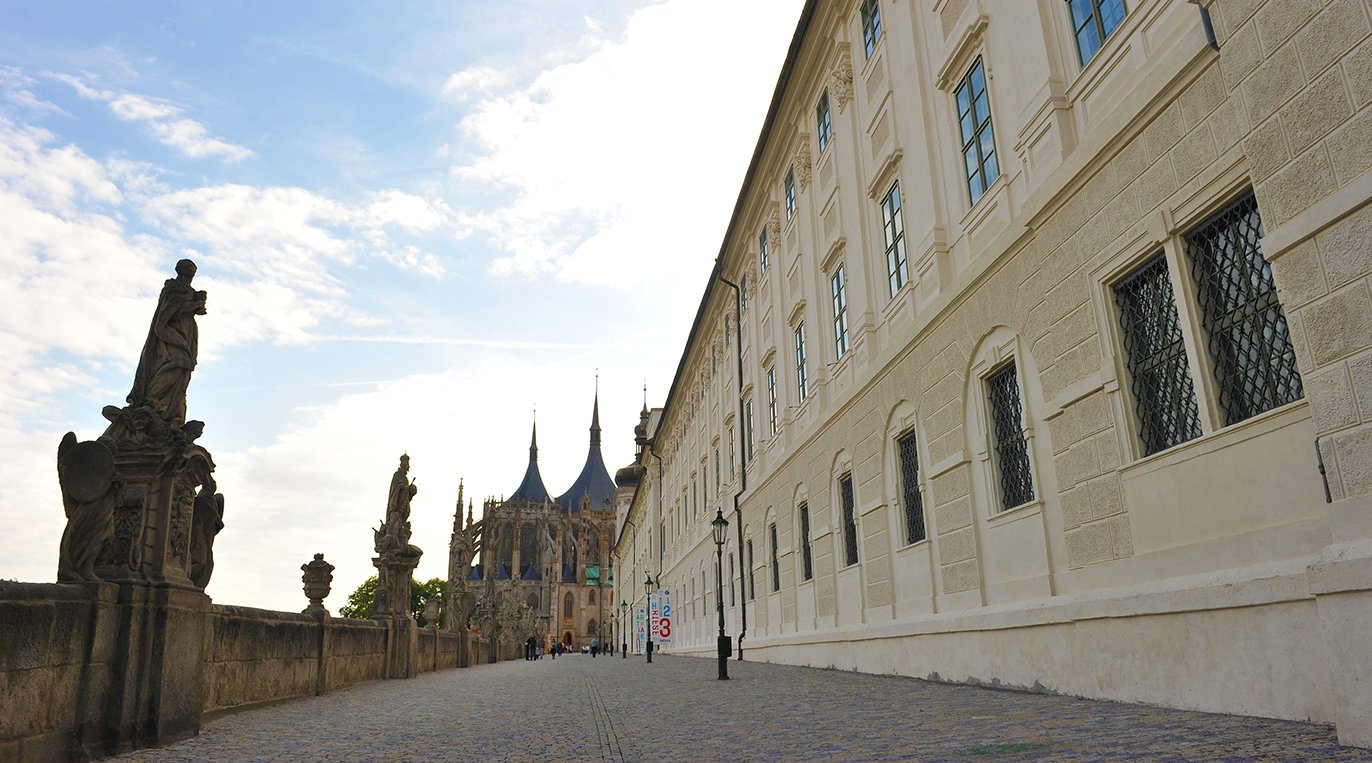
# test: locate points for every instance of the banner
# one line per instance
(660, 616)
(640, 627)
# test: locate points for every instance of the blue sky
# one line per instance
(416, 222)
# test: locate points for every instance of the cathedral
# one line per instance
(550, 554)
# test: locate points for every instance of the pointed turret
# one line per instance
(531, 489)
(594, 481)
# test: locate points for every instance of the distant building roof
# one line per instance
(531, 489)
(594, 480)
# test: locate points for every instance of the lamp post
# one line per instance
(648, 588)
(624, 629)
(720, 525)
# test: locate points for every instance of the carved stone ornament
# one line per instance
(774, 228)
(802, 162)
(841, 77)
(206, 523)
(86, 475)
(318, 580)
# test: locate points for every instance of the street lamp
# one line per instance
(648, 589)
(624, 629)
(720, 525)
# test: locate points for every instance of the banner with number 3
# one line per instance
(660, 616)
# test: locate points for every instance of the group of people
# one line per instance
(534, 651)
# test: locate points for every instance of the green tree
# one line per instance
(359, 605)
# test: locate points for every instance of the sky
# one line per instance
(418, 223)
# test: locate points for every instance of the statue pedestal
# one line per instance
(392, 604)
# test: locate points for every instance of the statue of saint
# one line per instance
(207, 521)
(398, 502)
(85, 472)
(169, 354)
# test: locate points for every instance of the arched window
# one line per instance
(532, 601)
(590, 596)
(590, 628)
(567, 603)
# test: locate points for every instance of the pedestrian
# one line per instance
(595, 644)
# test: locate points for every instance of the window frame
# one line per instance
(999, 443)
(838, 294)
(802, 372)
(824, 121)
(788, 189)
(870, 12)
(772, 426)
(907, 489)
(979, 126)
(806, 552)
(1096, 22)
(847, 493)
(776, 558)
(763, 251)
(893, 236)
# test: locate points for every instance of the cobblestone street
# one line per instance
(607, 708)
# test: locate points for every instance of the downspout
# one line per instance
(742, 458)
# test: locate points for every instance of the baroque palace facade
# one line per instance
(1038, 352)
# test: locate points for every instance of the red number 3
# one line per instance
(665, 628)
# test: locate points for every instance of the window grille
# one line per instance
(840, 299)
(978, 139)
(850, 544)
(802, 378)
(772, 400)
(909, 485)
(893, 231)
(823, 124)
(1011, 448)
(1164, 396)
(806, 561)
(762, 251)
(1092, 22)
(1250, 345)
(789, 187)
(871, 25)
(752, 572)
(776, 564)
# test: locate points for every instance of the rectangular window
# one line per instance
(911, 501)
(748, 430)
(718, 481)
(776, 564)
(752, 572)
(772, 401)
(840, 301)
(871, 25)
(743, 295)
(695, 497)
(850, 543)
(1092, 22)
(978, 140)
(1160, 378)
(789, 188)
(1250, 345)
(762, 251)
(1011, 448)
(732, 459)
(802, 378)
(823, 124)
(893, 231)
(807, 568)
(732, 599)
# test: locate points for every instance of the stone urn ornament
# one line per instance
(318, 580)
(431, 612)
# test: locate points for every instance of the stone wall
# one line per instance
(55, 653)
(62, 677)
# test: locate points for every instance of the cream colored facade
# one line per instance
(1212, 574)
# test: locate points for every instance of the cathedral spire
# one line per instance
(531, 489)
(595, 416)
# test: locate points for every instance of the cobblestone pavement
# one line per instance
(606, 708)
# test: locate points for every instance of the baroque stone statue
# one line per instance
(395, 558)
(169, 353)
(87, 477)
(206, 522)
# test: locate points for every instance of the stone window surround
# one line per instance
(999, 347)
(1165, 232)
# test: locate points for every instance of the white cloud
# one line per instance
(474, 82)
(164, 120)
(628, 152)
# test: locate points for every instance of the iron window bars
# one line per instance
(1164, 396)
(1011, 448)
(807, 562)
(909, 485)
(850, 544)
(1254, 362)
(776, 563)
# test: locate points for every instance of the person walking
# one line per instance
(595, 644)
